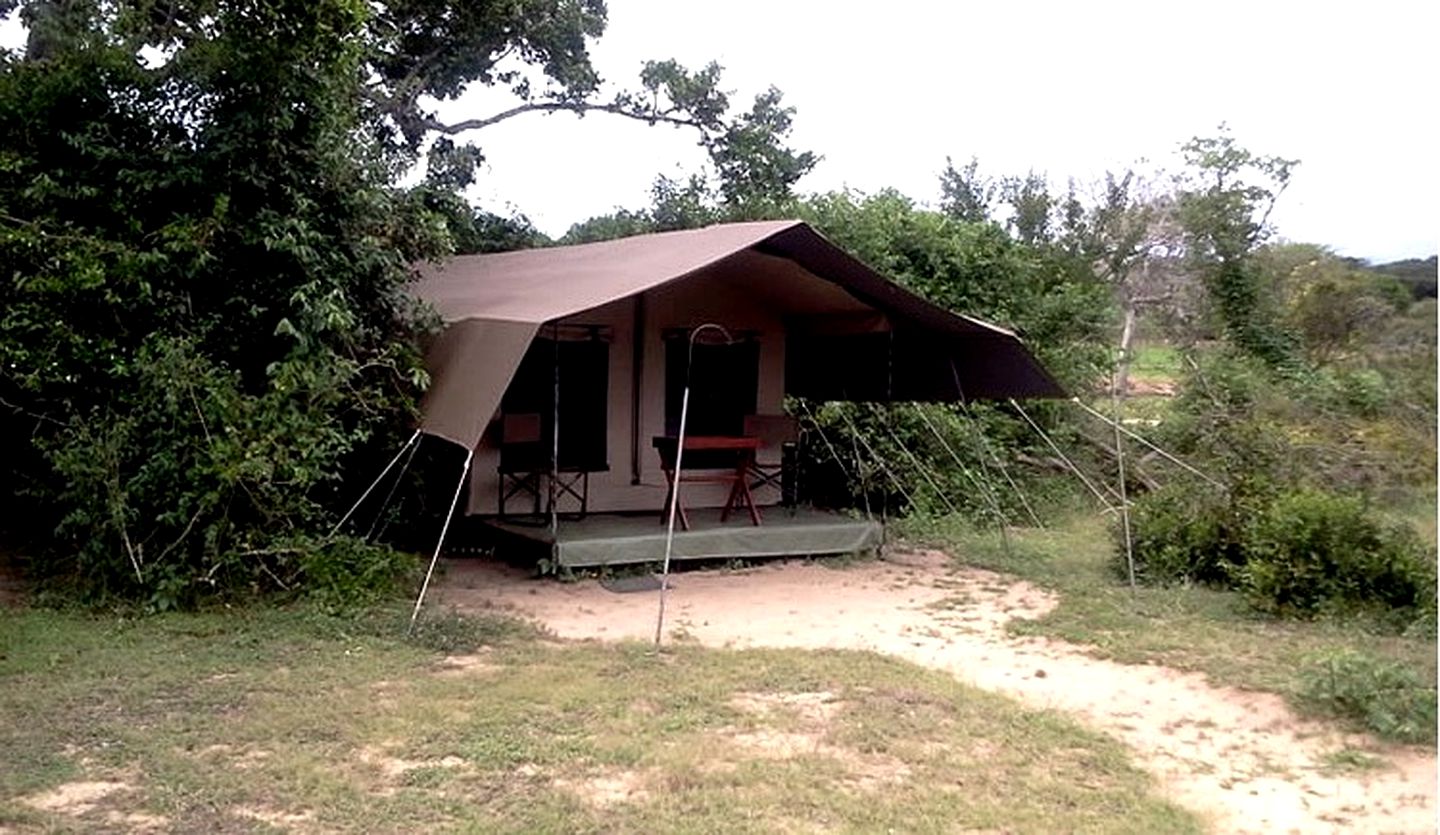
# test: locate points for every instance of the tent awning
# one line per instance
(494, 304)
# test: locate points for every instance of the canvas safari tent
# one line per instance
(593, 339)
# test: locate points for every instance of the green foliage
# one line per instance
(452, 632)
(344, 572)
(204, 315)
(1418, 275)
(1182, 535)
(1227, 418)
(755, 169)
(1301, 553)
(474, 230)
(1055, 303)
(181, 483)
(1310, 552)
(1224, 209)
(1277, 531)
(965, 193)
(1381, 695)
(1334, 305)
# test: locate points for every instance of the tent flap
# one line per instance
(471, 364)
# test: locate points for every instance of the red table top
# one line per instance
(708, 442)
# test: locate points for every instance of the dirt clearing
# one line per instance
(1240, 758)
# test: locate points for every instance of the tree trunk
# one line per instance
(1121, 383)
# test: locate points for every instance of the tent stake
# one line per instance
(440, 543)
(414, 439)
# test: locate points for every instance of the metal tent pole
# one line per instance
(440, 543)
(1115, 396)
(675, 477)
(555, 439)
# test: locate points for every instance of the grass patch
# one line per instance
(283, 717)
(1156, 361)
(1188, 628)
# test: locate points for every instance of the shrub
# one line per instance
(1384, 696)
(1311, 552)
(1180, 534)
(348, 571)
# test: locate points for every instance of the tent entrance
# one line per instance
(554, 414)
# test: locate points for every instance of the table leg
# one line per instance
(670, 496)
(740, 492)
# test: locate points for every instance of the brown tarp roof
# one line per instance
(493, 305)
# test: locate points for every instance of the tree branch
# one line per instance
(552, 107)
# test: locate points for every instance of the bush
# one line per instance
(1311, 552)
(1384, 696)
(1303, 553)
(1181, 535)
(347, 571)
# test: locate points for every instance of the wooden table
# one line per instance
(738, 478)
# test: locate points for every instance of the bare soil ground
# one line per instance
(1242, 759)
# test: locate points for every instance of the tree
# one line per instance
(978, 269)
(1329, 302)
(204, 326)
(204, 312)
(964, 193)
(1225, 201)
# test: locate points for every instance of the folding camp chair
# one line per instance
(772, 464)
(523, 459)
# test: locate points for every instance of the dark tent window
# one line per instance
(724, 380)
(584, 370)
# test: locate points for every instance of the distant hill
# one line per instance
(1418, 274)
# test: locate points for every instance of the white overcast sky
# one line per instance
(886, 91)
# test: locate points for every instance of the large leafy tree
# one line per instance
(1224, 205)
(203, 306)
(204, 253)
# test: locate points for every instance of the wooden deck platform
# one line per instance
(624, 539)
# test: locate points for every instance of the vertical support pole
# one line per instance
(677, 479)
(637, 384)
(555, 437)
(440, 543)
(674, 506)
(1116, 398)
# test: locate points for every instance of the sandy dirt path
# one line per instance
(1240, 759)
